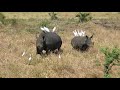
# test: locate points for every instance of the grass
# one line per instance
(16, 39)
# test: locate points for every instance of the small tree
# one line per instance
(83, 17)
(111, 58)
(53, 15)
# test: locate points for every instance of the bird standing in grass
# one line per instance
(23, 54)
(30, 58)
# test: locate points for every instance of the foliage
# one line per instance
(44, 23)
(13, 21)
(112, 57)
(84, 17)
(53, 15)
(10, 21)
(2, 18)
(5, 21)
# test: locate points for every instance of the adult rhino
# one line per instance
(48, 41)
(81, 42)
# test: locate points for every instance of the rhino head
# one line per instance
(87, 43)
(40, 42)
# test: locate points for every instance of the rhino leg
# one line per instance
(84, 47)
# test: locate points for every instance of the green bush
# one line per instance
(45, 23)
(5, 21)
(10, 21)
(2, 18)
(53, 15)
(112, 57)
(84, 17)
(31, 31)
(13, 21)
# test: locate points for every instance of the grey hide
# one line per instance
(48, 41)
(81, 43)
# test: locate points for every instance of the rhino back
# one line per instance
(77, 42)
(52, 40)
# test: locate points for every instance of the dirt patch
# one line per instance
(107, 23)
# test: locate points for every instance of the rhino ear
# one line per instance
(86, 36)
(92, 36)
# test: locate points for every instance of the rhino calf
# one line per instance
(81, 43)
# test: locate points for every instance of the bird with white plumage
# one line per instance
(78, 33)
(30, 58)
(54, 29)
(23, 53)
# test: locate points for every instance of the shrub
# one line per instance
(84, 17)
(2, 18)
(53, 15)
(45, 23)
(13, 21)
(5, 21)
(112, 57)
(30, 30)
(10, 21)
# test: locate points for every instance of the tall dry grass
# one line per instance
(14, 40)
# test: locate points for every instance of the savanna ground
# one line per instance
(20, 37)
